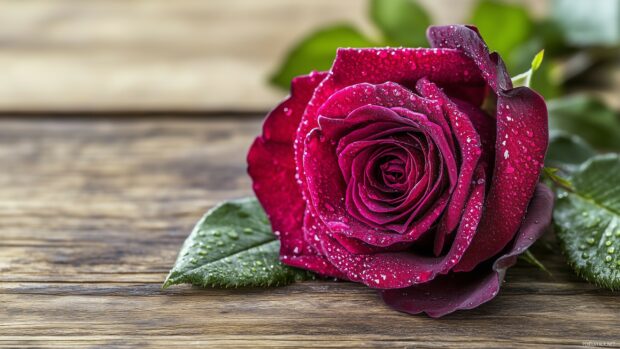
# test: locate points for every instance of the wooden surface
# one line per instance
(161, 54)
(93, 212)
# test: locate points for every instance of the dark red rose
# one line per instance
(387, 171)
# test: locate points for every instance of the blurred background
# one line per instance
(239, 55)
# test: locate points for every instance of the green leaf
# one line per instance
(587, 118)
(537, 61)
(567, 149)
(317, 52)
(592, 22)
(232, 246)
(524, 79)
(587, 220)
(503, 26)
(403, 22)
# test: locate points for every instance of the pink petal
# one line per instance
(456, 291)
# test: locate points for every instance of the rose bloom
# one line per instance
(387, 170)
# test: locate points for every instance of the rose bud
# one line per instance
(387, 170)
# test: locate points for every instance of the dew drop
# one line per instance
(611, 249)
(608, 243)
(247, 230)
(608, 259)
(233, 235)
(585, 255)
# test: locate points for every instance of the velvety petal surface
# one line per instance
(470, 147)
(272, 168)
(456, 291)
(467, 39)
(521, 144)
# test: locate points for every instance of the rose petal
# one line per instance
(456, 291)
(467, 39)
(470, 148)
(272, 167)
(521, 143)
(522, 138)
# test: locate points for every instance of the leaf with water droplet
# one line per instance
(233, 263)
(587, 217)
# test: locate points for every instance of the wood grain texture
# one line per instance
(92, 214)
(158, 54)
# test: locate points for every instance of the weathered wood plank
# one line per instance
(92, 214)
(160, 54)
(151, 54)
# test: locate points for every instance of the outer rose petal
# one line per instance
(468, 40)
(455, 291)
(521, 143)
(272, 168)
(522, 138)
